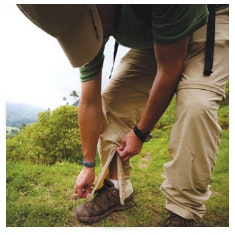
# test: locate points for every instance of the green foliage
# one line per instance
(39, 195)
(167, 118)
(43, 196)
(223, 117)
(226, 100)
(54, 137)
(223, 112)
(11, 131)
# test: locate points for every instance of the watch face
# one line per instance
(147, 137)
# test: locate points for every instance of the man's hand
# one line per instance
(84, 182)
(130, 146)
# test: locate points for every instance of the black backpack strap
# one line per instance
(114, 56)
(210, 41)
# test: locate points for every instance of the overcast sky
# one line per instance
(36, 70)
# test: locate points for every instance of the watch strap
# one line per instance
(144, 137)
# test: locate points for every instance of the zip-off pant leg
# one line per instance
(194, 142)
(123, 102)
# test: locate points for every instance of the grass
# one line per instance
(43, 196)
(39, 195)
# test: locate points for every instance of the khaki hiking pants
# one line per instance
(194, 140)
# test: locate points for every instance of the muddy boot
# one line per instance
(105, 201)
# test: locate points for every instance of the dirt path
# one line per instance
(145, 160)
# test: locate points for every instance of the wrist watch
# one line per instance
(144, 137)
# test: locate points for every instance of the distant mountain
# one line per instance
(76, 103)
(18, 114)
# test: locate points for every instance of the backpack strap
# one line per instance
(210, 41)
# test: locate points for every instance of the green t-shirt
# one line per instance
(139, 26)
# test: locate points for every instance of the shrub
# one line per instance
(54, 137)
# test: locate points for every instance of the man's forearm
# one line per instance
(90, 123)
(170, 59)
(90, 117)
(159, 99)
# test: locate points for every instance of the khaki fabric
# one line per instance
(194, 141)
(123, 102)
(195, 136)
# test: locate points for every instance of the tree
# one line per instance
(75, 95)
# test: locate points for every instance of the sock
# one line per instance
(115, 183)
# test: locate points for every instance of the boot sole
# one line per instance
(106, 213)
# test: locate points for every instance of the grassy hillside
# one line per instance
(42, 196)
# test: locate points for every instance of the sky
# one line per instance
(36, 70)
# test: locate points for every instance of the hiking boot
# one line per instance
(105, 201)
(174, 220)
